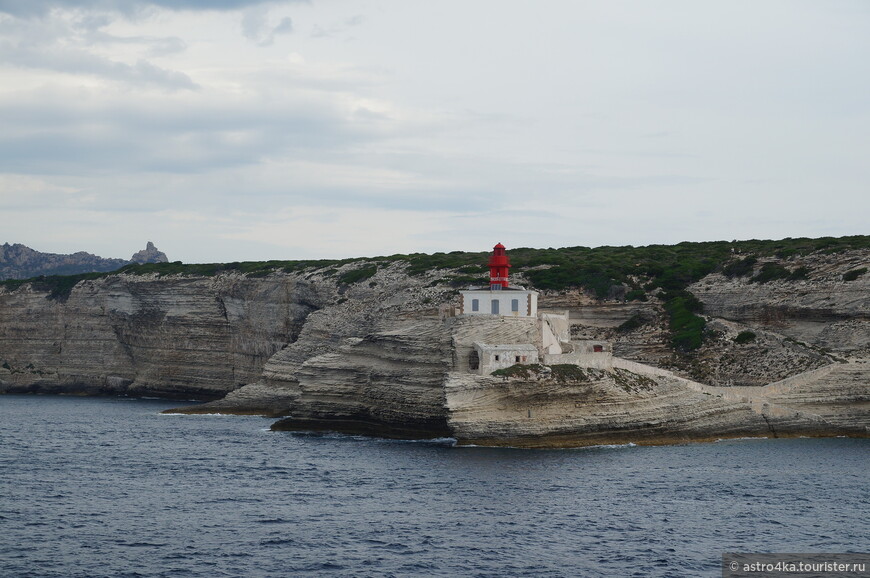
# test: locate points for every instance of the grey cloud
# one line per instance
(320, 32)
(256, 26)
(156, 45)
(36, 8)
(77, 132)
(166, 46)
(284, 27)
(70, 60)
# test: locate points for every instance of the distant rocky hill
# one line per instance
(21, 262)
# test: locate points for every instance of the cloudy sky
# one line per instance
(230, 130)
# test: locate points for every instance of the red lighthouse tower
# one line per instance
(498, 268)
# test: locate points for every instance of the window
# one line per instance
(496, 357)
(475, 304)
(495, 286)
(517, 359)
(597, 348)
(495, 306)
(515, 304)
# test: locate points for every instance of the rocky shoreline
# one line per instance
(380, 357)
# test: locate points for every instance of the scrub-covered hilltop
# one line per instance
(695, 332)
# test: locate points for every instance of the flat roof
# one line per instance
(509, 347)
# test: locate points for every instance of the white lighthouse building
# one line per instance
(500, 298)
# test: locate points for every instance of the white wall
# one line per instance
(506, 358)
(554, 331)
(485, 297)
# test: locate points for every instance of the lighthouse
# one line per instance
(499, 264)
(500, 298)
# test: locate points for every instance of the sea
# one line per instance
(93, 487)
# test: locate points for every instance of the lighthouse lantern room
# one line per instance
(499, 264)
(500, 298)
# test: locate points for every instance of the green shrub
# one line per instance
(567, 372)
(739, 268)
(518, 370)
(636, 295)
(854, 274)
(357, 275)
(635, 321)
(687, 329)
(771, 272)
(799, 274)
(744, 337)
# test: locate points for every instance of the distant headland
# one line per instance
(521, 347)
(21, 262)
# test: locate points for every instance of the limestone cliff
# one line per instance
(188, 338)
(365, 346)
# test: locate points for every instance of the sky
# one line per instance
(247, 130)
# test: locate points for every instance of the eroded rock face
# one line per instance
(388, 384)
(824, 310)
(414, 383)
(610, 407)
(375, 356)
(189, 338)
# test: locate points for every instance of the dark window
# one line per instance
(597, 348)
(517, 359)
(475, 304)
(496, 357)
(495, 306)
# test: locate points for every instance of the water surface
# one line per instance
(109, 487)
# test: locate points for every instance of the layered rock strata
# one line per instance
(823, 310)
(378, 356)
(188, 338)
(389, 383)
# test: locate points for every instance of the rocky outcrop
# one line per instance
(149, 254)
(21, 262)
(388, 384)
(415, 383)
(607, 407)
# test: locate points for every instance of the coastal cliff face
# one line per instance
(823, 310)
(365, 347)
(189, 338)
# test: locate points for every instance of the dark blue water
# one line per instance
(108, 487)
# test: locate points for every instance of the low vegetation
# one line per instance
(687, 328)
(357, 275)
(636, 321)
(854, 274)
(744, 337)
(524, 371)
(562, 372)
